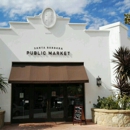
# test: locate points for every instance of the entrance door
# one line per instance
(48, 102)
(44, 102)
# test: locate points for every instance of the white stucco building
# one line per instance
(51, 42)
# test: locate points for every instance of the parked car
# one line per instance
(17, 110)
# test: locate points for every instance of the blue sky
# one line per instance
(94, 13)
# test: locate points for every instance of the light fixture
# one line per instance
(98, 81)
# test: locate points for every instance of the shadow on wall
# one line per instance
(93, 91)
(77, 26)
(6, 58)
(97, 33)
(21, 25)
(59, 28)
(7, 31)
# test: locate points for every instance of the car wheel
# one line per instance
(17, 113)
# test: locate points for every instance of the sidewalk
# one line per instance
(59, 126)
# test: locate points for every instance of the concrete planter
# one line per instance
(2, 113)
(115, 118)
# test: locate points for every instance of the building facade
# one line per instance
(52, 65)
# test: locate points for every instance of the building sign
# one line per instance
(78, 115)
(52, 51)
(53, 94)
(21, 95)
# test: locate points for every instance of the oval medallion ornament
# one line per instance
(49, 17)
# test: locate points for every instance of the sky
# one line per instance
(95, 13)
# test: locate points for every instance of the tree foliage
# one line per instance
(122, 61)
(122, 69)
(3, 83)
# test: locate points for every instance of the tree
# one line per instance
(3, 83)
(123, 86)
(127, 19)
(122, 69)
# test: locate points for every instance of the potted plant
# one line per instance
(112, 111)
(3, 85)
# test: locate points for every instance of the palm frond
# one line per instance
(122, 61)
(122, 69)
(3, 83)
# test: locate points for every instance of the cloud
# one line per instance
(123, 5)
(108, 11)
(94, 22)
(3, 24)
(21, 7)
(97, 22)
(96, 1)
(113, 13)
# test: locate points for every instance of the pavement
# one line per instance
(59, 126)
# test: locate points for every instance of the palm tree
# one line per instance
(122, 69)
(123, 86)
(3, 83)
(122, 60)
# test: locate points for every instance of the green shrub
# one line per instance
(125, 102)
(113, 102)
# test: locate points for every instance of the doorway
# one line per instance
(45, 102)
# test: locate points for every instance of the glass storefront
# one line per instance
(45, 102)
